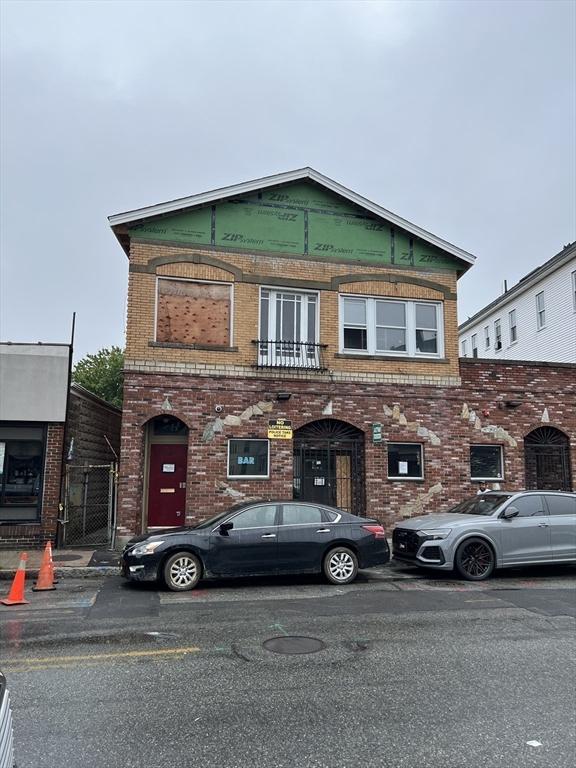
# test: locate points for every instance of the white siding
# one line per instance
(555, 342)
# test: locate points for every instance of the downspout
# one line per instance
(60, 530)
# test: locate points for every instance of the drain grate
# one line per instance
(293, 645)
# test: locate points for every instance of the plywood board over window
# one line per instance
(193, 313)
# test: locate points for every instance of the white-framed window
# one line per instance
(248, 458)
(405, 461)
(487, 337)
(288, 328)
(540, 311)
(497, 335)
(574, 290)
(391, 327)
(463, 347)
(512, 326)
(474, 345)
(486, 462)
(193, 312)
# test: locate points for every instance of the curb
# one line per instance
(78, 572)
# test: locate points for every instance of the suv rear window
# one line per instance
(561, 505)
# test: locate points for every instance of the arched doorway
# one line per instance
(167, 444)
(547, 460)
(329, 465)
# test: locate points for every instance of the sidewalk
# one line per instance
(68, 563)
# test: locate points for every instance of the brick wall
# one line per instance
(30, 535)
(445, 420)
(247, 272)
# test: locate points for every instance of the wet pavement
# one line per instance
(408, 670)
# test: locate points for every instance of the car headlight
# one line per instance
(146, 548)
(435, 535)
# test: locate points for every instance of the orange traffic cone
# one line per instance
(45, 578)
(16, 595)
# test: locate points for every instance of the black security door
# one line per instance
(547, 460)
(329, 465)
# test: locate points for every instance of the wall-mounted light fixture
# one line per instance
(283, 395)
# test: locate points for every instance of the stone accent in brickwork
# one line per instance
(429, 411)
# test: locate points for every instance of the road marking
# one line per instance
(534, 743)
(94, 657)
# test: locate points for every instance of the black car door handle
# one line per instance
(268, 536)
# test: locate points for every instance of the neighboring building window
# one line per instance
(487, 337)
(405, 461)
(389, 327)
(22, 451)
(486, 462)
(513, 326)
(474, 344)
(248, 458)
(464, 353)
(497, 335)
(540, 311)
(192, 313)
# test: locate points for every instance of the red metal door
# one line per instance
(167, 485)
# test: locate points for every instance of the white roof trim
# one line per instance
(283, 178)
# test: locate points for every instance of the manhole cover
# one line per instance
(293, 645)
(65, 558)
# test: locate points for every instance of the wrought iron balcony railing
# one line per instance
(302, 355)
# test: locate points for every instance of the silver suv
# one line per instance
(492, 530)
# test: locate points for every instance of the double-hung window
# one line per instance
(474, 343)
(513, 326)
(288, 328)
(464, 348)
(391, 327)
(497, 335)
(487, 337)
(540, 311)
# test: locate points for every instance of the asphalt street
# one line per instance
(403, 669)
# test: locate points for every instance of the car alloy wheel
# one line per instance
(182, 571)
(475, 560)
(340, 566)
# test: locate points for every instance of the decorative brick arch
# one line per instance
(329, 464)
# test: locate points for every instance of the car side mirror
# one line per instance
(510, 512)
(225, 527)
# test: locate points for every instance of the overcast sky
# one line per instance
(458, 116)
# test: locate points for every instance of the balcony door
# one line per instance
(288, 329)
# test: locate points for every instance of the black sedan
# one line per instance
(276, 537)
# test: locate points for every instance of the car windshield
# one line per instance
(212, 521)
(480, 505)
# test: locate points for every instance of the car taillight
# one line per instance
(376, 530)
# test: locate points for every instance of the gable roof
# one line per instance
(173, 206)
(526, 282)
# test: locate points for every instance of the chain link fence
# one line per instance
(89, 501)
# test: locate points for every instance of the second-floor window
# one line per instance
(193, 313)
(487, 337)
(513, 326)
(540, 311)
(497, 335)
(391, 327)
(474, 344)
(288, 334)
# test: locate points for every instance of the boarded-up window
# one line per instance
(193, 313)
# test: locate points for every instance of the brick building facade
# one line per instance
(293, 298)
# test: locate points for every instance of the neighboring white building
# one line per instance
(533, 320)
